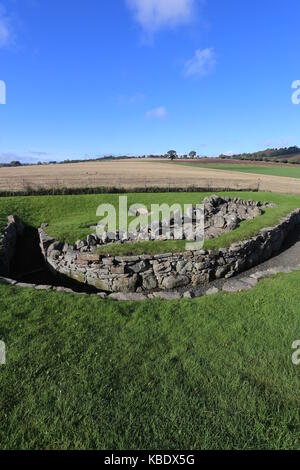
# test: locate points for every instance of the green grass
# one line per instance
(288, 171)
(211, 373)
(70, 217)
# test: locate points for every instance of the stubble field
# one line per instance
(139, 174)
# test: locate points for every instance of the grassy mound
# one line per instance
(211, 373)
(70, 217)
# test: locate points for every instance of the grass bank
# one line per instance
(211, 373)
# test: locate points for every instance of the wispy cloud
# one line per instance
(153, 15)
(135, 98)
(157, 113)
(5, 27)
(203, 63)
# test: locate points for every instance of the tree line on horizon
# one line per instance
(280, 155)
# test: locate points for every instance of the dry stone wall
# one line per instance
(148, 273)
(8, 242)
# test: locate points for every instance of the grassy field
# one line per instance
(211, 373)
(70, 217)
(290, 171)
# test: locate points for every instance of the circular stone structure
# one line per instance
(166, 275)
(171, 271)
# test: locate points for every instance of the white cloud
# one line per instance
(157, 113)
(155, 14)
(5, 29)
(203, 63)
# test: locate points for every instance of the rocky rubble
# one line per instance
(225, 214)
(220, 215)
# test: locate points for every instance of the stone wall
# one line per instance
(165, 272)
(8, 242)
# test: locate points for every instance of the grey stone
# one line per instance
(80, 244)
(184, 266)
(219, 221)
(149, 282)
(189, 295)
(263, 274)
(167, 295)
(173, 282)
(5, 280)
(102, 295)
(164, 266)
(91, 240)
(111, 236)
(249, 281)
(200, 279)
(128, 296)
(212, 291)
(125, 284)
(101, 284)
(235, 285)
(55, 246)
(138, 267)
(25, 285)
(222, 271)
(45, 241)
(63, 289)
(54, 254)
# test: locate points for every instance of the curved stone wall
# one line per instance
(165, 272)
(8, 242)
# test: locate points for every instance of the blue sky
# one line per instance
(87, 78)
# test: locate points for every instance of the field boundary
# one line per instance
(117, 190)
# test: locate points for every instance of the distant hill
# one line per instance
(282, 155)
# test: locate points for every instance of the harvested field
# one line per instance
(138, 174)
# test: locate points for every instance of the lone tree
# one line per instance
(192, 154)
(172, 154)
